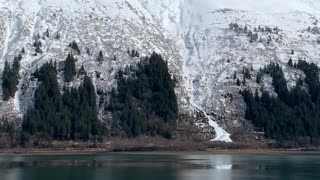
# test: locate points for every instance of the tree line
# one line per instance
(10, 78)
(144, 101)
(71, 115)
(293, 114)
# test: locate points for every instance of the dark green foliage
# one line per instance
(244, 81)
(146, 101)
(259, 77)
(69, 116)
(10, 78)
(75, 47)
(134, 53)
(311, 71)
(80, 106)
(290, 63)
(69, 68)
(58, 36)
(24, 138)
(293, 114)
(48, 107)
(47, 34)
(100, 56)
(246, 73)
(82, 71)
(7, 127)
(235, 75)
(88, 51)
(272, 116)
(278, 81)
(37, 44)
(238, 82)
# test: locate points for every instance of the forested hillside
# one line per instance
(71, 115)
(145, 101)
(294, 114)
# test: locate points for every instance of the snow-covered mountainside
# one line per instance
(215, 53)
(204, 49)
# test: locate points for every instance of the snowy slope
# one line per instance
(194, 36)
(213, 53)
(113, 26)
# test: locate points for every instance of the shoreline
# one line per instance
(158, 145)
(93, 151)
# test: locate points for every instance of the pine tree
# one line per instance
(259, 77)
(47, 34)
(72, 115)
(146, 102)
(10, 78)
(75, 47)
(294, 113)
(238, 82)
(100, 56)
(88, 51)
(290, 62)
(70, 68)
(58, 36)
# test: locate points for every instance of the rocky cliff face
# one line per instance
(207, 45)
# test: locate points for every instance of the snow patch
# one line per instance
(221, 134)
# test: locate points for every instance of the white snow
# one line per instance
(113, 26)
(224, 167)
(221, 134)
(203, 54)
(271, 6)
(202, 26)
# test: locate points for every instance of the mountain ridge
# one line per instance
(203, 52)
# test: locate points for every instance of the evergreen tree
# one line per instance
(100, 56)
(70, 68)
(37, 44)
(293, 114)
(75, 47)
(145, 103)
(10, 78)
(72, 115)
(259, 77)
(47, 34)
(238, 82)
(290, 62)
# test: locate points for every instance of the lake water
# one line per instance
(177, 166)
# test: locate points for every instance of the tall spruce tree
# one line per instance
(69, 68)
(10, 78)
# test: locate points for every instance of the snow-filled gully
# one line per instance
(221, 134)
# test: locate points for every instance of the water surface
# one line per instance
(177, 166)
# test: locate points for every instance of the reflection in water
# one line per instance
(219, 167)
(224, 167)
(10, 174)
(159, 167)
